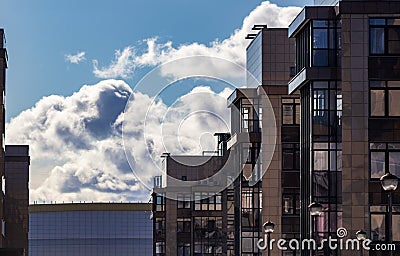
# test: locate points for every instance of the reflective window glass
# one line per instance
(377, 40)
(377, 164)
(377, 102)
(378, 227)
(394, 102)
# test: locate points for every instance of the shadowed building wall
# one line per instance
(17, 196)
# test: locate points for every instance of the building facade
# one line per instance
(347, 73)
(14, 172)
(16, 180)
(333, 82)
(192, 212)
(270, 59)
(101, 229)
(260, 187)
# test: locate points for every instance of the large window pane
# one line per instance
(377, 102)
(321, 184)
(320, 58)
(394, 163)
(394, 40)
(298, 109)
(321, 160)
(320, 38)
(377, 40)
(377, 164)
(396, 228)
(287, 114)
(378, 227)
(287, 158)
(394, 102)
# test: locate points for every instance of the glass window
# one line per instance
(320, 58)
(290, 111)
(377, 164)
(183, 225)
(183, 249)
(377, 40)
(377, 227)
(321, 160)
(394, 40)
(384, 98)
(385, 36)
(290, 156)
(183, 201)
(396, 228)
(324, 43)
(160, 203)
(320, 38)
(210, 201)
(377, 102)
(384, 157)
(377, 21)
(287, 114)
(394, 163)
(394, 102)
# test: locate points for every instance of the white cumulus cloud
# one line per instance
(232, 48)
(76, 144)
(75, 58)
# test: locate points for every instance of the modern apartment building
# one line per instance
(333, 83)
(101, 229)
(14, 172)
(193, 213)
(245, 199)
(348, 76)
(265, 107)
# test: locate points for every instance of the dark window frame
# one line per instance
(385, 214)
(294, 195)
(385, 26)
(184, 201)
(387, 152)
(293, 103)
(386, 90)
(332, 45)
(209, 202)
(293, 149)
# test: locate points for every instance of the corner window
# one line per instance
(384, 98)
(324, 43)
(384, 36)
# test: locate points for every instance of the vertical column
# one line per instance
(355, 38)
(271, 182)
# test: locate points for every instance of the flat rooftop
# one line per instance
(70, 207)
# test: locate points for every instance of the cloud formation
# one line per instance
(76, 145)
(76, 58)
(232, 48)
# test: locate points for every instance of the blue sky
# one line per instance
(40, 33)
(74, 131)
